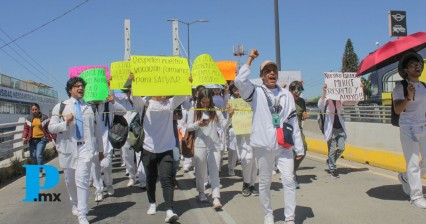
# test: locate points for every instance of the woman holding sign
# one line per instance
(204, 119)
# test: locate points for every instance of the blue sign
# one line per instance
(32, 193)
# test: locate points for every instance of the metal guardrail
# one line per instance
(12, 143)
(369, 114)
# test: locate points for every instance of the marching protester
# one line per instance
(79, 133)
(158, 147)
(103, 164)
(204, 120)
(334, 130)
(128, 155)
(273, 107)
(240, 145)
(296, 88)
(409, 98)
(36, 133)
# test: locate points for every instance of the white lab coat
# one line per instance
(66, 141)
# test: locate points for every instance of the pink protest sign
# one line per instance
(76, 71)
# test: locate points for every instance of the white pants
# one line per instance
(205, 158)
(96, 174)
(413, 141)
(285, 163)
(141, 169)
(129, 159)
(108, 170)
(248, 163)
(77, 183)
(187, 163)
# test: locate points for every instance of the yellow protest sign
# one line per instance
(96, 84)
(120, 71)
(160, 76)
(228, 69)
(205, 71)
(242, 118)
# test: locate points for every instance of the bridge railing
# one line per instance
(12, 146)
(369, 114)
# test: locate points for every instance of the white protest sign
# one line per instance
(343, 86)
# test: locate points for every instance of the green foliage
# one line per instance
(16, 166)
(314, 100)
(350, 58)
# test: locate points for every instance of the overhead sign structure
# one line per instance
(205, 71)
(343, 86)
(397, 23)
(160, 76)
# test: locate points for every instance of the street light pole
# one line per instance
(187, 25)
(277, 36)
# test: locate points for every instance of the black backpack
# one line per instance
(394, 116)
(117, 134)
(136, 132)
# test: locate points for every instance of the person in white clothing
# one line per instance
(79, 134)
(273, 107)
(128, 155)
(410, 103)
(334, 130)
(240, 144)
(204, 120)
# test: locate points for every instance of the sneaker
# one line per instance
(171, 216)
(274, 172)
(231, 173)
(186, 169)
(99, 197)
(254, 191)
(269, 219)
(83, 220)
(110, 190)
(419, 203)
(202, 197)
(142, 184)
(296, 183)
(131, 183)
(405, 185)
(246, 190)
(127, 173)
(334, 174)
(74, 210)
(289, 222)
(152, 209)
(123, 165)
(216, 203)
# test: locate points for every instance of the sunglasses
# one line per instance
(298, 91)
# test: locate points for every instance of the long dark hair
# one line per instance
(71, 82)
(38, 107)
(210, 109)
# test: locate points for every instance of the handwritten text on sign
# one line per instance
(120, 71)
(96, 84)
(343, 86)
(243, 115)
(160, 76)
(205, 71)
(76, 71)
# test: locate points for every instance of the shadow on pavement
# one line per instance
(104, 211)
(347, 170)
(302, 213)
(306, 179)
(388, 192)
(306, 168)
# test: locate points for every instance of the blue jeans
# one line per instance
(36, 147)
(338, 136)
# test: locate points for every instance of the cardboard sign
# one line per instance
(228, 69)
(96, 84)
(160, 76)
(243, 116)
(205, 71)
(343, 86)
(120, 71)
(76, 71)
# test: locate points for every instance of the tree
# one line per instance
(350, 59)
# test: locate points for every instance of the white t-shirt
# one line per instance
(415, 112)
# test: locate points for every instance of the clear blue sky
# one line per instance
(313, 33)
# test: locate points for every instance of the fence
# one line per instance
(368, 114)
(12, 145)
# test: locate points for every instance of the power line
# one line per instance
(45, 24)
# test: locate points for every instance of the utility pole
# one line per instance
(127, 51)
(277, 36)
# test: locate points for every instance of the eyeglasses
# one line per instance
(299, 91)
(78, 86)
